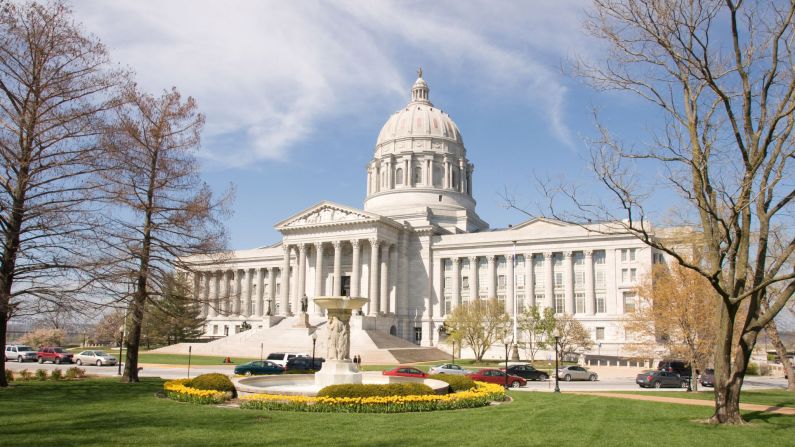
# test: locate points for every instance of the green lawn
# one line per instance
(106, 412)
(774, 398)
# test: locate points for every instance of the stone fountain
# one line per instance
(338, 367)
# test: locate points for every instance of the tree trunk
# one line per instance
(781, 350)
(134, 337)
(726, 383)
(727, 403)
(3, 334)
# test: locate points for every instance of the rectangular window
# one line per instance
(629, 302)
(501, 281)
(519, 302)
(520, 281)
(465, 282)
(599, 257)
(633, 275)
(579, 258)
(558, 279)
(600, 303)
(624, 276)
(579, 301)
(448, 265)
(579, 280)
(448, 283)
(448, 304)
(539, 297)
(600, 333)
(600, 279)
(539, 280)
(623, 255)
(560, 300)
(215, 329)
(557, 260)
(631, 254)
(538, 261)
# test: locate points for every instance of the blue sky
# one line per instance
(295, 93)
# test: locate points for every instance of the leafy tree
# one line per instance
(176, 315)
(478, 324)
(574, 338)
(676, 310)
(55, 87)
(162, 210)
(537, 328)
(43, 337)
(720, 72)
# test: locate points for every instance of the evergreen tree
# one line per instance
(174, 316)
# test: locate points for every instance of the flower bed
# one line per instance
(481, 395)
(180, 390)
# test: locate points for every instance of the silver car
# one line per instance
(448, 368)
(99, 358)
(568, 373)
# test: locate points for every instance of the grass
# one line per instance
(104, 412)
(773, 398)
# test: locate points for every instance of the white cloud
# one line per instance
(265, 73)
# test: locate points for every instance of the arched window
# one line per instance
(455, 178)
(417, 175)
(399, 176)
(437, 176)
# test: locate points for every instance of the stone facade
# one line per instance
(418, 249)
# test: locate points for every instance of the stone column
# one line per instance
(284, 294)
(511, 286)
(439, 275)
(492, 276)
(318, 269)
(384, 282)
(529, 288)
(404, 325)
(271, 304)
(392, 284)
(356, 268)
(245, 291)
(549, 284)
(590, 297)
(456, 286)
(568, 282)
(212, 293)
(337, 268)
(259, 306)
(473, 278)
(373, 289)
(301, 284)
(295, 300)
(223, 292)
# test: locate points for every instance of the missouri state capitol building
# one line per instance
(417, 249)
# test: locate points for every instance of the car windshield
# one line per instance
(58, 350)
(24, 348)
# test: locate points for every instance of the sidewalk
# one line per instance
(678, 400)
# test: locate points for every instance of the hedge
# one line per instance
(457, 383)
(213, 382)
(372, 390)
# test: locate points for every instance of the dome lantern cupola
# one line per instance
(419, 91)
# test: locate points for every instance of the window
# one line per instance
(579, 280)
(215, 329)
(558, 279)
(600, 279)
(448, 265)
(628, 255)
(629, 275)
(623, 255)
(520, 281)
(417, 175)
(599, 257)
(600, 303)
(600, 333)
(631, 254)
(539, 280)
(465, 282)
(629, 302)
(557, 260)
(633, 275)
(501, 281)
(579, 302)
(538, 261)
(448, 304)
(399, 176)
(520, 302)
(560, 300)
(579, 258)
(437, 176)
(417, 335)
(539, 297)
(448, 282)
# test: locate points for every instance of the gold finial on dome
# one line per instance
(419, 72)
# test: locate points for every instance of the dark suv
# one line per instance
(54, 354)
(304, 364)
(677, 366)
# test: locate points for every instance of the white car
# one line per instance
(280, 358)
(20, 353)
(448, 368)
(99, 358)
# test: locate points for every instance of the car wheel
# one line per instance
(19, 359)
(41, 360)
(99, 362)
(57, 361)
(247, 373)
(567, 378)
(657, 384)
(79, 362)
(515, 384)
(592, 378)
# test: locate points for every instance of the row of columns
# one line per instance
(529, 289)
(385, 171)
(228, 292)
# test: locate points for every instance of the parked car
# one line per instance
(496, 376)
(575, 372)
(259, 367)
(707, 377)
(677, 366)
(99, 358)
(281, 358)
(660, 379)
(527, 372)
(54, 354)
(448, 368)
(20, 353)
(304, 363)
(405, 371)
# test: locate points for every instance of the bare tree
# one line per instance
(478, 324)
(54, 87)
(164, 210)
(537, 328)
(721, 73)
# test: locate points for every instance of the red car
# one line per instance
(406, 371)
(498, 377)
(53, 354)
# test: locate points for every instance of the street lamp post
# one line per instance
(453, 352)
(506, 340)
(556, 335)
(314, 340)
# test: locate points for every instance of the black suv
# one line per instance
(304, 364)
(677, 366)
(527, 372)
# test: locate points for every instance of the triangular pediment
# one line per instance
(327, 213)
(540, 223)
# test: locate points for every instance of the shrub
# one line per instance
(56, 374)
(25, 374)
(212, 381)
(752, 370)
(75, 373)
(41, 374)
(457, 383)
(9, 375)
(180, 390)
(391, 389)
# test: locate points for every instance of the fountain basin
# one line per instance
(304, 384)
